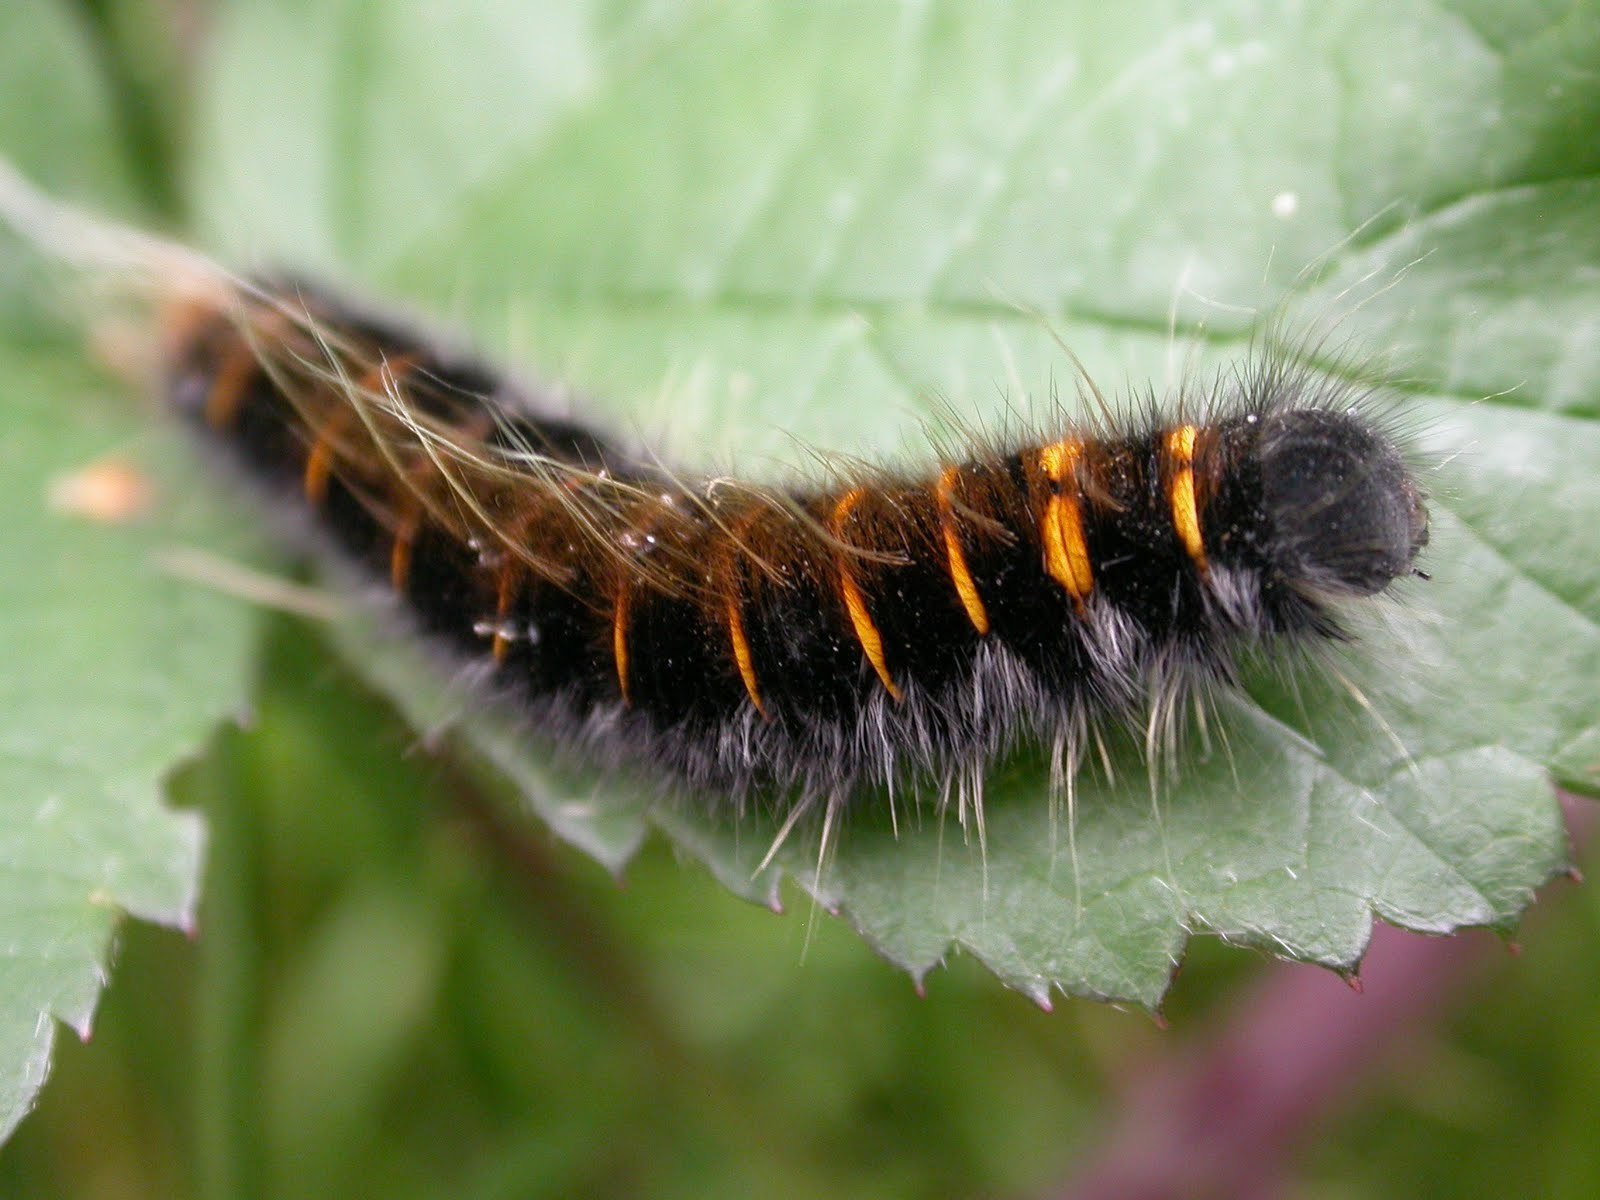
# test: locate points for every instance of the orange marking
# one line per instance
(505, 594)
(619, 641)
(856, 604)
(1181, 494)
(392, 370)
(320, 462)
(181, 321)
(239, 365)
(1066, 551)
(400, 551)
(742, 655)
(227, 390)
(960, 574)
(743, 658)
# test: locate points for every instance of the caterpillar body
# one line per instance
(742, 639)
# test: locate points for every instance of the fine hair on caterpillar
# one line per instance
(800, 645)
(747, 639)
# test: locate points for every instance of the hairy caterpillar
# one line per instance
(742, 639)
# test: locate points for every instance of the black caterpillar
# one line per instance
(809, 642)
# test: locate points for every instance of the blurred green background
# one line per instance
(379, 1004)
(391, 994)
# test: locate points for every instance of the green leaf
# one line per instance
(114, 672)
(739, 224)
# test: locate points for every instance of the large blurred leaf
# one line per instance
(112, 672)
(738, 223)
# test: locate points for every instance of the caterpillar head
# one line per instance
(1348, 514)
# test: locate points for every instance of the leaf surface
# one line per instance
(738, 225)
(114, 671)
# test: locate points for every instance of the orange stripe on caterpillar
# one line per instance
(619, 641)
(732, 564)
(241, 363)
(400, 550)
(1181, 493)
(742, 656)
(320, 462)
(856, 604)
(955, 556)
(1066, 550)
(239, 366)
(505, 595)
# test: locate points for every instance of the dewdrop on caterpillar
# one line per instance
(798, 647)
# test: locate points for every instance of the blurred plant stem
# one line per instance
(230, 1159)
(1226, 1118)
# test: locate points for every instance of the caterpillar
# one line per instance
(741, 639)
